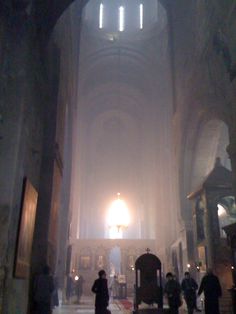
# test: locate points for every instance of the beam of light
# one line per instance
(221, 210)
(141, 16)
(121, 19)
(101, 11)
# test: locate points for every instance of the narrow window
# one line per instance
(121, 19)
(141, 16)
(101, 11)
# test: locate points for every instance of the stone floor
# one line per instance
(87, 307)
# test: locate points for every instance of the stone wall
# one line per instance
(204, 57)
(204, 88)
(21, 142)
(27, 90)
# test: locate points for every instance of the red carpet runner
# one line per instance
(126, 304)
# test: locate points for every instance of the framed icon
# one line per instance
(85, 262)
(25, 231)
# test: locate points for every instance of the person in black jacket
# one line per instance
(210, 285)
(189, 288)
(173, 293)
(102, 296)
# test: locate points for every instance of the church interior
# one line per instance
(117, 139)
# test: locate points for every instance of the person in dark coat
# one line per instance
(55, 298)
(79, 287)
(189, 288)
(43, 289)
(100, 288)
(173, 293)
(211, 287)
(69, 287)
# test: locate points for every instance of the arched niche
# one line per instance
(204, 140)
(212, 140)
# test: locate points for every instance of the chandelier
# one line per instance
(118, 217)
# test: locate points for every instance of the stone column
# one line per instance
(231, 149)
(20, 138)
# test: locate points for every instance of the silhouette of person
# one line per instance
(173, 293)
(69, 287)
(43, 289)
(189, 288)
(79, 287)
(211, 288)
(114, 286)
(102, 296)
(55, 298)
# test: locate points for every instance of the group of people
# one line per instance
(210, 286)
(44, 288)
(173, 290)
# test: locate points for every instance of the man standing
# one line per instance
(189, 288)
(173, 293)
(210, 285)
(69, 288)
(102, 296)
(79, 287)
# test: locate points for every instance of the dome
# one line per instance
(113, 19)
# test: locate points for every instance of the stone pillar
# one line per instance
(28, 105)
(20, 139)
(213, 235)
(231, 149)
(41, 246)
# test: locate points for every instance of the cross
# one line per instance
(148, 250)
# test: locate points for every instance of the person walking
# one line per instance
(211, 288)
(173, 292)
(189, 288)
(102, 296)
(43, 289)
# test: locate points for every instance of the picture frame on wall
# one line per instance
(85, 262)
(100, 262)
(202, 258)
(25, 230)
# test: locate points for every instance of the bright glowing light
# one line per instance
(101, 10)
(141, 16)
(118, 215)
(76, 278)
(221, 210)
(188, 265)
(121, 19)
